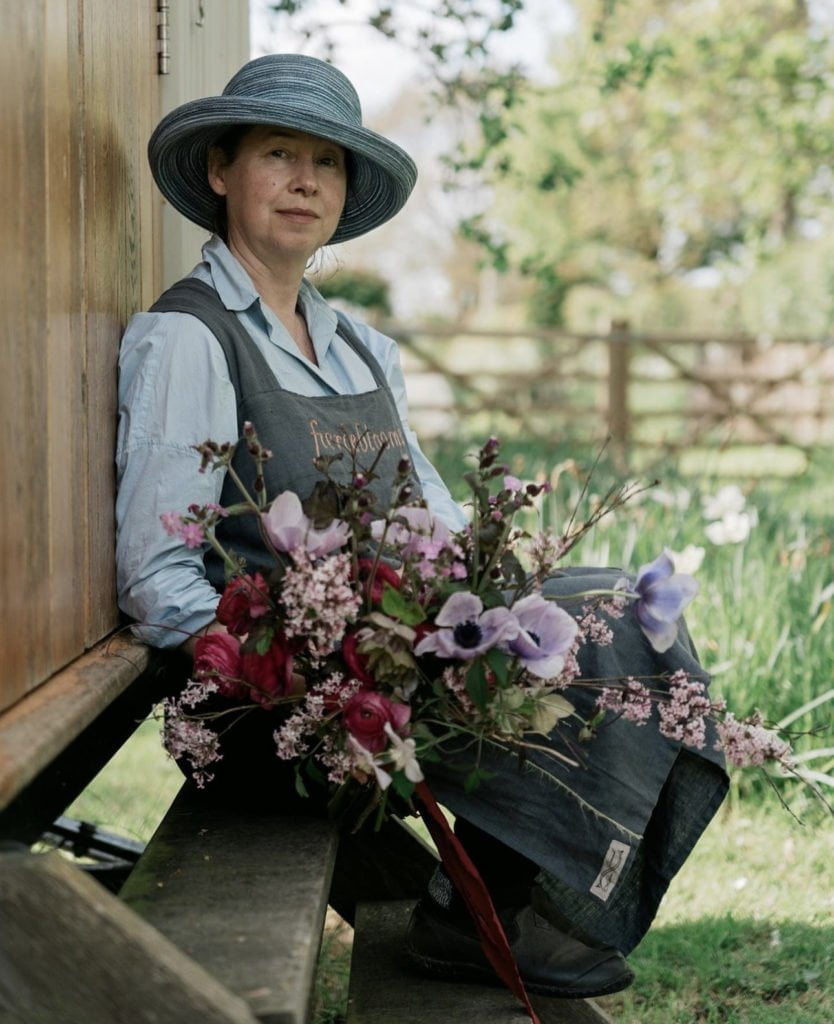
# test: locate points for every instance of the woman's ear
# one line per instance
(216, 171)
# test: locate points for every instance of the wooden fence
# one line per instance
(656, 392)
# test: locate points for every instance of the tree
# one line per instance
(680, 135)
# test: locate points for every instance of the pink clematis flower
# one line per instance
(289, 528)
(466, 630)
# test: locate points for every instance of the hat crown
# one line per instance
(296, 80)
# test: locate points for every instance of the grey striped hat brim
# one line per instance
(382, 175)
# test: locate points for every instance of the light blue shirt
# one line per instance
(175, 391)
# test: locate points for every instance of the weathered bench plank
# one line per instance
(71, 953)
(385, 990)
(243, 894)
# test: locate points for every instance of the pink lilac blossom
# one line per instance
(683, 715)
(454, 679)
(594, 630)
(192, 740)
(545, 551)
(747, 742)
(632, 701)
(195, 692)
(319, 601)
(546, 634)
(571, 669)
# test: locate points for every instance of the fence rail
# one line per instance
(656, 391)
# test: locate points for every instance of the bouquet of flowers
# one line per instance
(376, 635)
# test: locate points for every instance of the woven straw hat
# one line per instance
(290, 91)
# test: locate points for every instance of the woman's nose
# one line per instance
(304, 177)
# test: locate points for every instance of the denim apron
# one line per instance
(610, 834)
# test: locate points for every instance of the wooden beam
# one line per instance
(243, 894)
(72, 952)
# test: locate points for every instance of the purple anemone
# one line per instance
(545, 635)
(466, 630)
(662, 594)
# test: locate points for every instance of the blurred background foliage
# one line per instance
(674, 167)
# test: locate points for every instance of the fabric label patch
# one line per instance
(612, 867)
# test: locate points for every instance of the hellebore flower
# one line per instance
(545, 635)
(403, 757)
(662, 594)
(289, 528)
(466, 630)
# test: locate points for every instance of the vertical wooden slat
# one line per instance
(619, 359)
(24, 576)
(78, 99)
(118, 68)
(64, 344)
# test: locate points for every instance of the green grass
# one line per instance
(745, 934)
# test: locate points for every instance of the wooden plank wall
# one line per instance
(78, 99)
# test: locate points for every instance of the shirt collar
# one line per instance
(238, 293)
(230, 280)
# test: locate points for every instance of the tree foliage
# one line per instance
(680, 135)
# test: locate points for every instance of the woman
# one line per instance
(276, 167)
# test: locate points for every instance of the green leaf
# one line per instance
(395, 604)
(402, 786)
(476, 685)
(300, 788)
(500, 665)
(264, 640)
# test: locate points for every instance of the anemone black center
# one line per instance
(468, 634)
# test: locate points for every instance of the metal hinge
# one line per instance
(163, 51)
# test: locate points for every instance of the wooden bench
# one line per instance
(221, 918)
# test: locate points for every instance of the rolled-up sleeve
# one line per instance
(174, 392)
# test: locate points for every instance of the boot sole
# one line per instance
(449, 970)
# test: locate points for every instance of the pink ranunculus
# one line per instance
(217, 657)
(381, 573)
(366, 714)
(269, 675)
(245, 599)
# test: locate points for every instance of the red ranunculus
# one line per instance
(245, 599)
(381, 575)
(269, 674)
(357, 663)
(217, 657)
(365, 716)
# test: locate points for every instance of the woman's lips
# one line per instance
(299, 215)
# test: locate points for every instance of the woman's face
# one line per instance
(284, 191)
